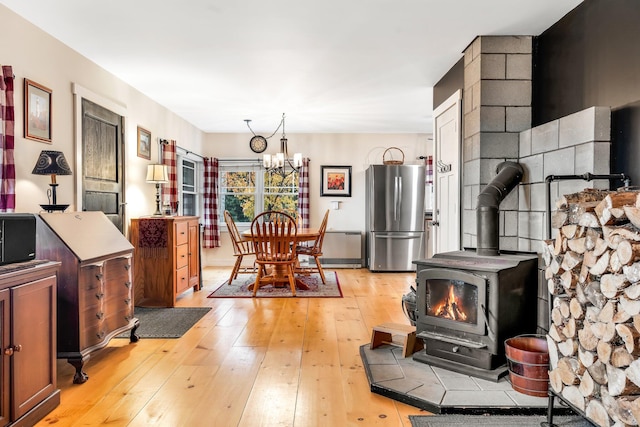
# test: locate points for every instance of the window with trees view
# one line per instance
(246, 189)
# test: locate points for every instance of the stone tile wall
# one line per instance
(497, 127)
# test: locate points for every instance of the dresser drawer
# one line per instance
(182, 280)
(182, 233)
(182, 256)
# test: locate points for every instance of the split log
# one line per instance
(614, 263)
(598, 372)
(612, 406)
(555, 381)
(624, 231)
(570, 230)
(618, 382)
(630, 337)
(612, 285)
(606, 313)
(570, 328)
(559, 218)
(625, 410)
(563, 306)
(633, 372)
(600, 247)
(620, 357)
(604, 331)
(604, 350)
(554, 285)
(578, 246)
(628, 252)
(568, 368)
(608, 210)
(588, 219)
(633, 214)
(570, 260)
(631, 307)
(552, 348)
(597, 413)
(621, 315)
(569, 280)
(588, 387)
(601, 265)
(568, 347)
(556, 334)
(587, 338)
(576, 309)
(572, 395)
(632, 272)
(632, 291)
(584, 196)
(587, 358)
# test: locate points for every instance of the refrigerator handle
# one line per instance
(397, 196)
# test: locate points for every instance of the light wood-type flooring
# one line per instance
(290, 362)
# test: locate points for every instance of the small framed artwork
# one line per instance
(336, 181)
(37, 111)
(144, 143)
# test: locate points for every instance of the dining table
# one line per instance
(278, 275)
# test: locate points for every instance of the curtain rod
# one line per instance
(165, 141)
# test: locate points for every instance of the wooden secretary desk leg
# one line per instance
(80, 377)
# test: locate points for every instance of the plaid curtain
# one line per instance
(7, 123)
(211, 235)
(303, 193)
(170, 190)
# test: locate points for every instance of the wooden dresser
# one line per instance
(28, 389)
(167, 258)
(95, 291)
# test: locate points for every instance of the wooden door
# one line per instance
(447, 138)
(103, 162)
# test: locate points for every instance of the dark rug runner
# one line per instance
(165, 322)
(495, 421)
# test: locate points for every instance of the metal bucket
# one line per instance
(528, 363)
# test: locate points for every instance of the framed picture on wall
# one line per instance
(144, 143)
(336, 181)
(37, 111)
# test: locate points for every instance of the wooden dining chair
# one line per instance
(314, 251)
(241, 247)
(274, 236)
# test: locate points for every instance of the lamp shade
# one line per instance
(157, 174)
(51, 163)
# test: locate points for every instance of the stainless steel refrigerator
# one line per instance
(395, 216)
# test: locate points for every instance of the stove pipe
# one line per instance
(487, 212)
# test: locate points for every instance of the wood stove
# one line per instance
(468, 305)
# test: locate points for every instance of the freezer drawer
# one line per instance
(394, 251)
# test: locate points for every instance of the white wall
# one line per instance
(355, 150)
(37, 56)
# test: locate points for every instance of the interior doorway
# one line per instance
(447, 146)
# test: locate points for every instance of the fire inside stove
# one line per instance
(453, 300)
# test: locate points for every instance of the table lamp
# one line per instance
(157, 174)
(52, 163)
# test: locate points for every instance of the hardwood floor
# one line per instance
(249, 362)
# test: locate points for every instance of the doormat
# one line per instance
(165, 322)
(496, 420)
(239, 288)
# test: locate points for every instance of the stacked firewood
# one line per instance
(593, 275)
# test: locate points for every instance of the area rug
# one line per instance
(495, 420)
(163, 322)
(239, 288)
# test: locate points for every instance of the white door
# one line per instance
(447, 143)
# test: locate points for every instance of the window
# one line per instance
(188, 185)
(246, 189)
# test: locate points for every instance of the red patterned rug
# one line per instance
(239, 288)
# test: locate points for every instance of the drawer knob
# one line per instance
(10, 350)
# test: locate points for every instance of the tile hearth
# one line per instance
(441, 391)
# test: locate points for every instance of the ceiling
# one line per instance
(332, 66)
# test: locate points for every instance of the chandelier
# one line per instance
(279, 162)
